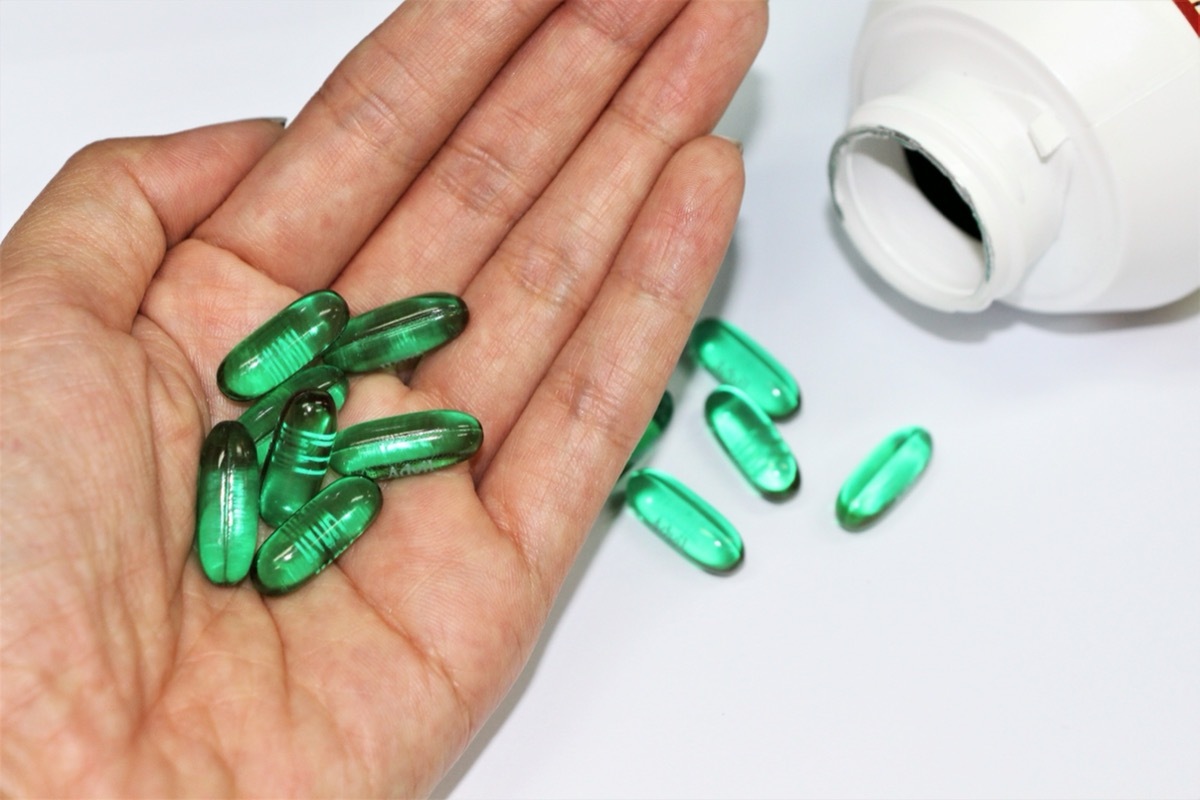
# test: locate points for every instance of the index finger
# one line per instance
(314, 198)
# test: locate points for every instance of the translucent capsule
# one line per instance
(315, 535)
(227, 503)
(299, 455)
(262, 418)
(683, 519)
(658, 424)
(282, 345)
(883, 477)
(752, 441)
(734, 358)
(398, 331)
(408, 444)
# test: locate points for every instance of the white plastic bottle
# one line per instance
(1043, 153)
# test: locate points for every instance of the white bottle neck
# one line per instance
(948, 189)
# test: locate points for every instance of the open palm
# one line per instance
(548, 163)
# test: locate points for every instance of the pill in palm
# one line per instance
(282, 346)
(407, 444)
(227, 487)
(299, 455)
(314, 536)
(398, 331)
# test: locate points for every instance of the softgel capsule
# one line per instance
(299, 455)
(407, 444)
(227, 503)
(314, 536)
(736, 359)
(752, 442)
(684, 520)
(883, 477)
(398, 331)
(282, 346)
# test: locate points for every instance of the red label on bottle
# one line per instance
(1191, 12)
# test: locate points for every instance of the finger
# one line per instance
(364, 136)
(528, 298)
(604, 385)
(504, 152)
(98, 232)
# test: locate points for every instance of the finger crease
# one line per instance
(436, 665)
(372, 120)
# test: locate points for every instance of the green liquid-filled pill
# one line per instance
(262, 418)
(408, 444)
(734, 358)
(883, 477)
(398, 331)
(654, 430)
(752, 441)
(299, 455)
(316, 534)
(683, 519)
(282, 346)
(227, 503)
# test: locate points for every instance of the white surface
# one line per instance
(1027, 622)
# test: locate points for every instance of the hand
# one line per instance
(551, 164)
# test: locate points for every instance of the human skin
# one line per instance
(548, 162)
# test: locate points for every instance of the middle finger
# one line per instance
(504, 152)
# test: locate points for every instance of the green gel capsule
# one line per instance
(654, 430)
(315, 535)
(398, 331)
(262, 418)
(752, 441)
(683, 519)
(883, 477)
(282, 346)
(736, 359)
(408, 444)
(227, 503)
(299, 455)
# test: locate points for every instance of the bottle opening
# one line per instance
(910, 219)
(941, 193)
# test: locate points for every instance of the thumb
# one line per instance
(98, 232)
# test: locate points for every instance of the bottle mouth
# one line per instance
(911, 219)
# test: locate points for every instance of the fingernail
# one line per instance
(280, 121)
(735, 142)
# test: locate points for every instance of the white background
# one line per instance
(1025, 624)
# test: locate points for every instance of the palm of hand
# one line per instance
(583, 256)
